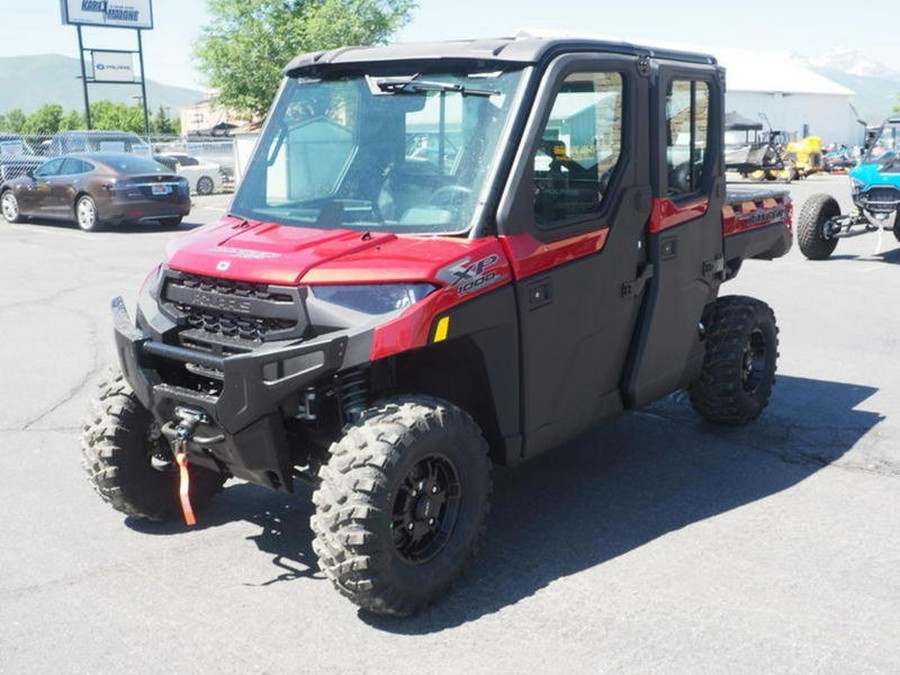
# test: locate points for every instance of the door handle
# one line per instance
(540, 293)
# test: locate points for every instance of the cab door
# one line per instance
(61, 199)
(571, 222)
(38, 198)
(684, 233)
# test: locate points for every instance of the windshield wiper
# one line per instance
(412, 86)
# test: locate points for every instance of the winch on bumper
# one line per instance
(245, 418)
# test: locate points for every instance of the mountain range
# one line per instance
(29, 82)
(875, 85)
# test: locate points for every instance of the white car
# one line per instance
(204, 177)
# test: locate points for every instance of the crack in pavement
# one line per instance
(96, 368)
(801, 450)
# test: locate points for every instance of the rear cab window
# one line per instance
(687, 136)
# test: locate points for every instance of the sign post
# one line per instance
(113, 66)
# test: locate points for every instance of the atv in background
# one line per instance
(752, 153)
(876, 196)
(805, 157)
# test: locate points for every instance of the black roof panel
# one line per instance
(522, 49)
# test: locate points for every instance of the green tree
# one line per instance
(13, 121)
(117, 117)
(45, 120)
(163, 125)
(72, 120)
(248, 42)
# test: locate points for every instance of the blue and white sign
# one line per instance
(110, 13)
(113, 66)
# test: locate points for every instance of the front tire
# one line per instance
(118, 445)
(740, 362)
(9, 205)
(813, 235)
(86, 214)
(401, 504)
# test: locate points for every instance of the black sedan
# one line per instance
(95, 189)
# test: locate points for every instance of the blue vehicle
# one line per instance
(876, 196)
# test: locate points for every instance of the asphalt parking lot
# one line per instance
(658, 543)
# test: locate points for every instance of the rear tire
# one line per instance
(401, 504)
(740, 362)
(815, 241)
(896, 230)
(86, 214)
(9, 205)
(117, 445)
(205, 185)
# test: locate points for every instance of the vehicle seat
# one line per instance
(408, 185)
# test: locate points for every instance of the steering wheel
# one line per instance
(451, 197)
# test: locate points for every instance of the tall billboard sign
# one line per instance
(112, 66)
(109, 13)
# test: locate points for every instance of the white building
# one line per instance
(794, 98)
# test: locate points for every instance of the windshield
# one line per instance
(14, 145)
(402, 154)
(885, 146)
(132, 164)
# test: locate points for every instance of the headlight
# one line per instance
(373, 298)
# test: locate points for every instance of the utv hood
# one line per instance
(275, 254)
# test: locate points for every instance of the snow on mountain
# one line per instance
(875, 85)
(851, 62)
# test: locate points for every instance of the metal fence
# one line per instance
(207, 163)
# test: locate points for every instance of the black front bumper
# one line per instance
(247, 411)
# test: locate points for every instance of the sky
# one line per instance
(807, 28)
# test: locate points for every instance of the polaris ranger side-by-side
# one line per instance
(441, 255)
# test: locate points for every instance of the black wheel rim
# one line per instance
(754, 361)
(426, 509)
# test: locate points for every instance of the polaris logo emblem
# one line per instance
(224, 303)
(246, 253)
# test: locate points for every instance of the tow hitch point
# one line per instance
(185, 430)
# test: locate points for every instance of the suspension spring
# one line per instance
(353, 394)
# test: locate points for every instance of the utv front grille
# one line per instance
(232, 313)
(880, 199)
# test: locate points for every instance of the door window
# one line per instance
(73, 166)
(687, 133)
(579, 148)
(50, 168)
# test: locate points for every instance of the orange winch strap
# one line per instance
(184, 484)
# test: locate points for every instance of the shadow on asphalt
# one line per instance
(612, 491)
(283, 521)
(137, 228)
(891, 255)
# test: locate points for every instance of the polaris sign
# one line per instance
(110, 13)
(112, 66)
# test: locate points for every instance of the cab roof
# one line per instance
(523, 49)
